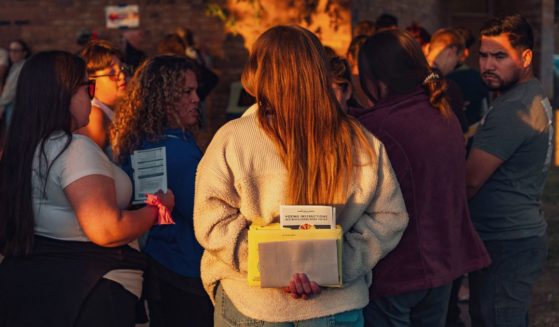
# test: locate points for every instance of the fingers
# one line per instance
(301, 287)
(305, 283)
(298, 284)
(293, 289)
(316, 289)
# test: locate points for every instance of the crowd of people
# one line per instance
(435, 169)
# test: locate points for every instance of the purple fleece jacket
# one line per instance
(427, 153)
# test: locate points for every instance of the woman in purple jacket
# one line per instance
(411, 116)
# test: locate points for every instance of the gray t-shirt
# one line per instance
(518, 130)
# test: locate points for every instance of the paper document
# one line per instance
(150, 172)
(307, 217)
(276, 253)
(280, 260)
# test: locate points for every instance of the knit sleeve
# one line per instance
(220, 227)
(379, 229)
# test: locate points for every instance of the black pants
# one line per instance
(108, 305)
(175, 300)
(425, 308)
(177, 307)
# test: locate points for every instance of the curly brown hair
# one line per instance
(154, 92)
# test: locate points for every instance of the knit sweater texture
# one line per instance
(241, 181)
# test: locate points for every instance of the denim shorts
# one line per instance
(226, 315)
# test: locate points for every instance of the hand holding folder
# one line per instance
(275, 254)
(301, 287)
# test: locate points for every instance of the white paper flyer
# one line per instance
(150, 172)
(307, 217)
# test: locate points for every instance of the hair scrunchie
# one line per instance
(430, 77)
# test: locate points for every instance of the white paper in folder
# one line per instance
(280, 260)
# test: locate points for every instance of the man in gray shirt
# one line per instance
(506, 171)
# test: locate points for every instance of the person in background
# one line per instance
(132, 43)
(385, 22)
(172, 44)
(469, 41)
(421, 35)
(507, 168)
(364, 27)
(270, 157)
(104, 65)
(191, 50)
(18, 52)
(340, 74)
(159, 112)
(443, 55)
(359, 98)
(445, 50)
(4, 67)
(83, 37)
(71, 258)
(207, 78)
(424, 143)
(474, 91)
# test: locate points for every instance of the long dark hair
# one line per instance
(45, 87)
(395, 58)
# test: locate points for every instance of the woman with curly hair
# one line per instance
(160, 111)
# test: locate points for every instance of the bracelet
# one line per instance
(163, 214)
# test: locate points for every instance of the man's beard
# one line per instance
(501, 85)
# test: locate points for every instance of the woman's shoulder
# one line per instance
(79, 140)
(84, 147)
(71, 150)
(243, 128)
(74, 142)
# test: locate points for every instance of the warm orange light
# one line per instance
(329, 20)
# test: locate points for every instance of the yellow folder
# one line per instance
(274, 233)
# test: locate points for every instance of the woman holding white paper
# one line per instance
(295, 146)
(159, 113)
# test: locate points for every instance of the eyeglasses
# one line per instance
(89, 87)
(113, 74)
(15, 50)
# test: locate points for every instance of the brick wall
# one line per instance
(428, 13)
(54, 24)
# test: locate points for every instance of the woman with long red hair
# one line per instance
(294, 146)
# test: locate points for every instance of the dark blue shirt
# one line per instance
(175, 246)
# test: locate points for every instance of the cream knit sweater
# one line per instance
(240, 181)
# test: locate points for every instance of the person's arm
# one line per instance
(479, 167)
(3, 72)
(95, 129)
(220, 227)
(93, 199)
(379, 229)
(8, 91)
